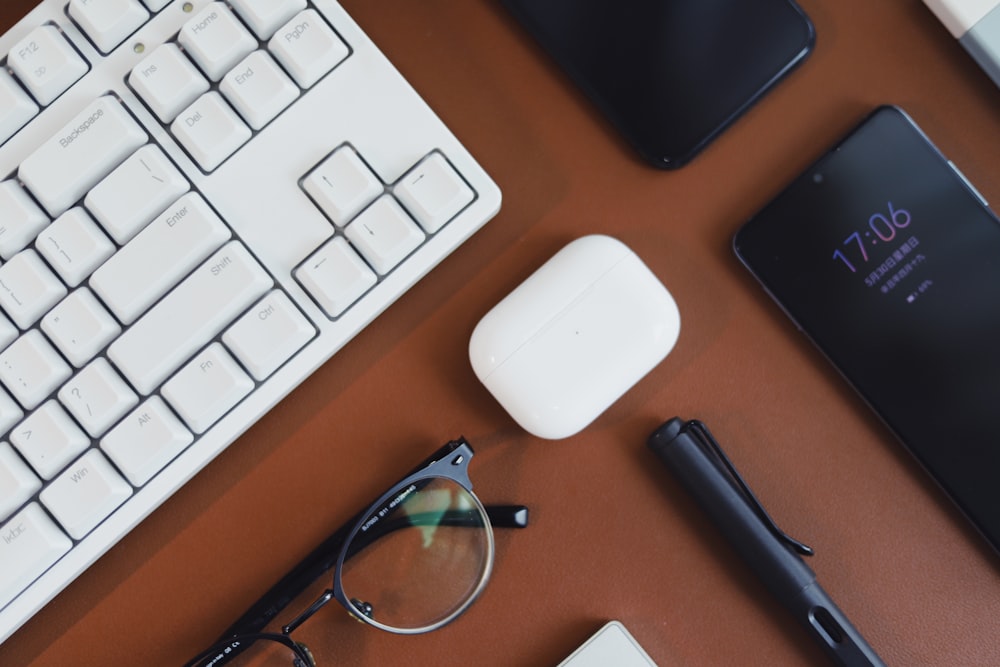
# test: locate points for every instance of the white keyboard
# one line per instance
(200, 203)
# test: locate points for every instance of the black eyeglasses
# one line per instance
(410, 563)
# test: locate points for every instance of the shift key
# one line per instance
(187, 318)
(29, 544)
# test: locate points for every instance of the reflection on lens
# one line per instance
(420, 558)
(256, 651)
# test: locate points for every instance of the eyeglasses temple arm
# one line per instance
(507, 516)
(500, 516)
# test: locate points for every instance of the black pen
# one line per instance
(690, 451)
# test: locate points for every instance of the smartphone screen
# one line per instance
(670, 74)
(890, 262)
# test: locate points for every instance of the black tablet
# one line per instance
(670, 74)
(889, 260)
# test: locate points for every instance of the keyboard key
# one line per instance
(259, 89)
(384, 234)
(433, 192)
(167, 81)
(8, 334)
(156, 5)
(17, 482)
(156, 259)
(342, 185)
(46, 63)
(31, 369)
(10, 411)
(74, 246)
(138, 189)
(108, 22)
(16, 106)
(30, 543)
(20, 219)
(85, 494)
(336, 276)
(48, 439)
(307, 47)
(210, 130)
(80, 326)
(97, 397)
(73, 161)
(146, 440)
(207, 388)
(216, 40)
(266, 16)
(28, 288)
(188, 317)
(268, 335)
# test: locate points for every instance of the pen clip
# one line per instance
(704, 436)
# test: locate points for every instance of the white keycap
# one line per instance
(85, 494)
(10, 411)
(28, 288)
(161, 254)
(31, 369)
(167, 81)
(136, 191)
(216, 40)
(342, 185)
(268, 335)
(266, 16)
(16, 106)
(188, 317)
(384, 234)
(210, 130)
(20, 219)
(433, 192)
(108, 22)
(307, 47)
(8, 333)
(97, 397)
(48, 439)
(30, 543)
(17, 481)
(80, 326)
(156, 5)
(258, 89)
(46, 63)
(207, 388)
(74, 245)
(66, 166)
(336, 276)
(146, 440)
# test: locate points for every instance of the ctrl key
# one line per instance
(30, 543)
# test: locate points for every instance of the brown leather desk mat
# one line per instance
(612, 535)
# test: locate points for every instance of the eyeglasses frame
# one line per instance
(450, 462)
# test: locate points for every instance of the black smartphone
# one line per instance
(670, 74)
(889, 260)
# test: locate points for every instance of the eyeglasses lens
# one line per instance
(420, 558)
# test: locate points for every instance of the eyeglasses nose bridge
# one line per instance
(312, 609)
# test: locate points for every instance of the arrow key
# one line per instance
(335, 276)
